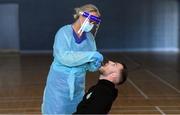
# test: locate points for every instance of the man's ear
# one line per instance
(114, 75)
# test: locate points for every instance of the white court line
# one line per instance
(163, 81)
(139, 90)
(160, 110)
(154, 74)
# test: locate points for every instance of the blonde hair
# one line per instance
(87, 8)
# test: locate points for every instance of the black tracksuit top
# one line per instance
(98, 99)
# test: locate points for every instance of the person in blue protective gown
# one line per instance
(74, 53)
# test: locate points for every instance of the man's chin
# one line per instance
(101, 69)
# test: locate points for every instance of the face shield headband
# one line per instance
(91, 17)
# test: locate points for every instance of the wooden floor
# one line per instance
(153, 86)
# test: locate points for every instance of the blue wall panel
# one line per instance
(127, 24)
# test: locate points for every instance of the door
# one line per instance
(9, 27)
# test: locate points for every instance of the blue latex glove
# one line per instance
(93, 67)
(96, 63)
(97, 58)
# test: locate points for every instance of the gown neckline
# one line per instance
(80, 39)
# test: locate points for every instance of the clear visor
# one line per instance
(92, 19)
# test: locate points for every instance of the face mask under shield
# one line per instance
(89, 23)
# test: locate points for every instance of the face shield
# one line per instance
(90, 22)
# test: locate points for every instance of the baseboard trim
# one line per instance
(101, 50)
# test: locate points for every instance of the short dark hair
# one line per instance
(124, 74)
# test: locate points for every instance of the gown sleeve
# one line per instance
(63, 54)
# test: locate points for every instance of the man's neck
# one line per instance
(106, 78)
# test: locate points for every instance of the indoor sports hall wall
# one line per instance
(127, 25)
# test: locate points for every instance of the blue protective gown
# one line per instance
(66, 79)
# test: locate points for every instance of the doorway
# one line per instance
(9, 27)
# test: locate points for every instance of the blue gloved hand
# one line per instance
(97, 58)
(93, 66)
